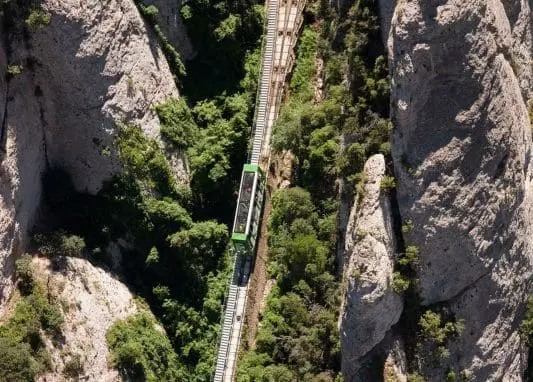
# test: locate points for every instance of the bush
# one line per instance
(435, 330)
(400, 283)
(407, 227)
(73, 367)
(24, 273)
(526, 327)
(415, 377)
(141, 352)
(13, 70)
(59, 243)
(18, 364)
(388, 183)
(38, 18)
(22, 350)
(177, 122)
(410, 256)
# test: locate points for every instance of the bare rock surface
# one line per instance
(461, 78)
(169, 18)
(97, 65)
(371, 307)
(92, 300)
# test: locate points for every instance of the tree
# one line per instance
(142, 352)
(177, 122)
(24, 273)
(18, 365)
(289, 205)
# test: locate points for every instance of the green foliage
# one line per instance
(451, 376)
(400, 283)
(73, 367)
(415, 377)
(153, 256)
(302, 262)
(145, 161)
(38, 18)
(437, 331)
(13, 70)
(24, 274)
(410, 256)
(526, 327)
(22, 351)
(59, 243)
(177, 122)
(150, 13)
(17, 361)
(227, 32)
(304, 72)
(431, 326)
(388, 183)
(142, 352)
(407, 227)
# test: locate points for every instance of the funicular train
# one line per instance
(247, 217)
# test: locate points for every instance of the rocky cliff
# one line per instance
(92, 300)
(371, 307)
(95, 64)
(461, 81)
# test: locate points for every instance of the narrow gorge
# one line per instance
(396, 241)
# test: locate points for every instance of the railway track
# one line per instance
(283, 21)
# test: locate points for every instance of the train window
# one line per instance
(245, 197)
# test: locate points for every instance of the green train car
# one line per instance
(248, 214)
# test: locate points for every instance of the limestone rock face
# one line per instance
(97, 65)
(94, 65)
(92, 300)
(371, 307)
(169, 18)
(461, 78)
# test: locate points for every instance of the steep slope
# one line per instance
(92, 299)
(94, 64)
(462, 150)
(371, 307)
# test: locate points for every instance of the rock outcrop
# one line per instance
(92, 300)
(371, 307)
(97, 64)
(461, 78)
(169, 18)
(94, 65)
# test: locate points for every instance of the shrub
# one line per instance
(526, 327)
(388, 183)
(38, 18)
(407, 227)
(435, 330)
(451, 376)
(24, 272)
(13, 70)
(17, 361)
(177, 122)
(22, 350)
(400, 283)
(410, 256)
(59, 243)
(141, 352)
(73, 367)
(415, 377)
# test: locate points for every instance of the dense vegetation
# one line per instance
(142, 352)
(300, 317)
(22, 351)
(173, 237)
(298, 337)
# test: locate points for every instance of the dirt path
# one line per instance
(279, 176)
